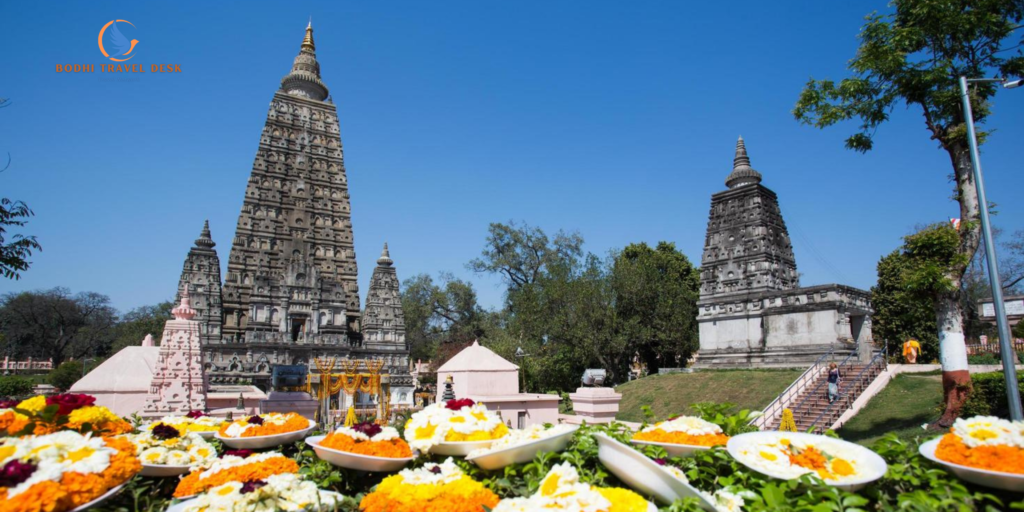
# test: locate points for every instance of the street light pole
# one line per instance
(1005, 342)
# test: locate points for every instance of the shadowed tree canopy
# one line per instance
(914, 57)
(56, 325)
(436, 314)
(137, 323)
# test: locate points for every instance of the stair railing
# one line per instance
(774, 409)
(817, 389)
(879, 359)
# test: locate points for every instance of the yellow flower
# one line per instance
(34, 404)
(92, 415)
(623, 500)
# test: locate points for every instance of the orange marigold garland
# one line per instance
(684, 430)
(984, 442)
(433, 487)
(76, 469)
(235, 469)
(368, 439)
(265, 425)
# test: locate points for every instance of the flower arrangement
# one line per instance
(453, 421)
(688, 430)
(561, 489)
(368, 439)
(196, 421)
(285, 491)
(232, 468)
(164, 445)
(433, 487)
(517, 437)
(984, 442)
(265, 425)
(787, 457)
(724, 500)
(62, 471)
(41, 415)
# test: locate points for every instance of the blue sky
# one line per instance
(616, 119)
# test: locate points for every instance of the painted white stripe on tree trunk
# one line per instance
(953, 351)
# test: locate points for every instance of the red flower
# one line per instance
(459, 404)
(368, 429)
(8, 404)
(238, 453)
(196, 414)
(69, 402)
(162, 431)
(15, 472)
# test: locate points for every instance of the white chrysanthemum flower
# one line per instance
(689, 425)
(153, 456)
(518, 437)
(985, 431)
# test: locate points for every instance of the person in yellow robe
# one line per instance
(911, 349)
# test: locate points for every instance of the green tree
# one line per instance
(901, 314)
(16, 251)
(438, 313)
(656, 292)
(915, 56)
(54, 324)
(137, 323)
(520, 254)
(65, 375)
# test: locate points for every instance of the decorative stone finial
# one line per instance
(184, 310)
(385, 257)
(204, 239)
(304, 80)
(742, 173)
(148, 341)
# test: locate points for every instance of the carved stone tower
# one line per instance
(295, 227)
(747, 248)
(383, 321)
(752, 310)
(201, 275)
(177, 386)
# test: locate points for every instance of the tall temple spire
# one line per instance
(204, 239)
(385, 257)
(304, 80)
(742, 173)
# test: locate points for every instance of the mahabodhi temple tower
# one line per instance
(752, 311)
(290, 293)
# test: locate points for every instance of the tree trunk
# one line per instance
(956, 378)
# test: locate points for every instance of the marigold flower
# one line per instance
(1004, 458)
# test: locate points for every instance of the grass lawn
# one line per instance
(909, 401)
(673, 393)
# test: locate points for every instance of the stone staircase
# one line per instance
(808, 396)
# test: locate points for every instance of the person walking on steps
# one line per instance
(833, 382)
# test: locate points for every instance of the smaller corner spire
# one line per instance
(205, 240)
(385, 257)
(184, 309)
(742, 173)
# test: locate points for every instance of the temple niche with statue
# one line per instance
(290, 294)
(752, 310)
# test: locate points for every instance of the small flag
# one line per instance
(955, 223)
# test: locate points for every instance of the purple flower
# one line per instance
(8, 404)
(436, 470)
(238, 453)
(163, 431)
(252, 485)
(660, 461)
(254, 420)
(196, 414)
(15, 472)
(368, 429)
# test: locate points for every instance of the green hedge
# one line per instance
(988, 398)
(15, 387)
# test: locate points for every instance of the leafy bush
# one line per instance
(986, 358)
(988, 396)
(14, 387)
(66, 375)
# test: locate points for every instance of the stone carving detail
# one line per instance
(177, 385)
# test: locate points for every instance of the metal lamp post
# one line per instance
(521, 356)
(1005, 342)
